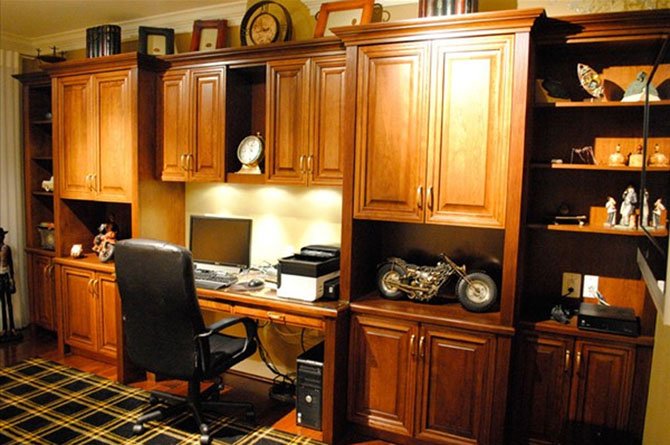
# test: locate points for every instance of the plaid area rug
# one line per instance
(42, 402)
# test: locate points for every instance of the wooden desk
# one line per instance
(331, 317)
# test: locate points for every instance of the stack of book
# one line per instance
(103, 40)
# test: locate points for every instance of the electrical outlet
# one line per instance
(572, 285)
(590, 286)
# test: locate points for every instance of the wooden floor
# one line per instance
(39, 343)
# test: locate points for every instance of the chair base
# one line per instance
(196, 402)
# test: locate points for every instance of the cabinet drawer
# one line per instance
(278, 317)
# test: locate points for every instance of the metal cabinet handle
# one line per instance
(430, 198)
(411, 345)
(276, 316)
(89, 287)
(421, 351)
(567, 360)
(189, 162)
(578, 362)
(419, 196)
(182, 161)
(302, 163)
(310, 162)
(93, 178)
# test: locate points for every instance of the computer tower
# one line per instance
(309, 387)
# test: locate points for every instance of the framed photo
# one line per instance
(156, 41)
(208, 35)
(344, 13)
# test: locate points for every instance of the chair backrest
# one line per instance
(161, 315)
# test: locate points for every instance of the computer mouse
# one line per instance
(255, 283)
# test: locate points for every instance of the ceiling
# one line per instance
(31, 19)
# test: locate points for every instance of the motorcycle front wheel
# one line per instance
(479, 293)
(387, 276)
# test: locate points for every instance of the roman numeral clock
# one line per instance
(265, 22)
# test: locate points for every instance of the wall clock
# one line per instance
(265, 22)
(250, 153)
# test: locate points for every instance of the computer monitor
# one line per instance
(216, 241)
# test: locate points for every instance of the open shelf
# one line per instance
(601, 104)
(596, 167)
(241, 178)
(594, 229)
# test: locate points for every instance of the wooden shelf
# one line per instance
(42, 158)
(42, 193)
(596, 167)
(594, 229)
(237, 178)
(42, 122)
(554, 327)
(587, 104)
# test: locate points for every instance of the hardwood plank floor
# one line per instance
(39, 343)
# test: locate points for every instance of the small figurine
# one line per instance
(637, 89)
(48, 185)
(610, 206)
(658, 159)
(629, 199)
(659, 208)
(585, 154)
(591, 81)
(635, 159)
(104, 241)
(7, 288)
(645, 209)
(616, 159)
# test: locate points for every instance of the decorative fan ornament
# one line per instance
(591, 81)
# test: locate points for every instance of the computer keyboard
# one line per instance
(213, 280)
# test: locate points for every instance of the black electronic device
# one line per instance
(320, 251)
(309, 390)
(331, 289)
(610, 319)
(221, 244)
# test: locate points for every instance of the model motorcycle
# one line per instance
(476, 291)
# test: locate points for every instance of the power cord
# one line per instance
(283, 385)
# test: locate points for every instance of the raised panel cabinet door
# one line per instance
(287, 122)
(325, 163)
(382, 373)
(391, 129)
(40, 270)
(603, 377)
(76, 153)
(173, 130)
(115, 114)
(205, 162)
(471, 109)
(79, 308)
(456, 377)
(108, 317)
(541, 388)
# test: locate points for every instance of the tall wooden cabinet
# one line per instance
(104, 164)
(437, 166)
(39, 200)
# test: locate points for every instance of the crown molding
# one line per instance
(14, 42)
(181, 22)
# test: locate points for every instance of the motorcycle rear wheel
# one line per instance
(479, 294)
(386, 275)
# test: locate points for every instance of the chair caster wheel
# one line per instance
(138, 428)
(153, 400)
(205, 439)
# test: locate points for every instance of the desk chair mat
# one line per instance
(42, 402)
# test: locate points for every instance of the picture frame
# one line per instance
(156, 41)
(343, 13)
(209, 35)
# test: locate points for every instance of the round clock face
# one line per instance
(250, 150)
(264, 29)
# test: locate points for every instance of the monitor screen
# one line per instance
(221, 241)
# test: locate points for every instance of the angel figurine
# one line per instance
(610, 206)
(659, 208)
(629, 199)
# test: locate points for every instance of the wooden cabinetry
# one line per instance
(95, 115)
(91, 308)
(41, 290)
(563, 382)
(433, 131)
(305, 104)
(400, 380)
(191, 133)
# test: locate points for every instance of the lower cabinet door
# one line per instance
(107, 330)
(541, 389)
(79, 308)
(382, 373)
(43, 309)
(604, 379)
(455, 385)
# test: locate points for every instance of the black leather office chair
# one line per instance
(165, 334)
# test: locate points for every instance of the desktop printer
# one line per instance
(302, 276)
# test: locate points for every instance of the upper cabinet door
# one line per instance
(471, 105)
(76, 153)
(115, 117)
(391, 129)
(287, 122)
(173, 129)
(325, 163)
(205, 160)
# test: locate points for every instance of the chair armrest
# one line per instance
(249, 325)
